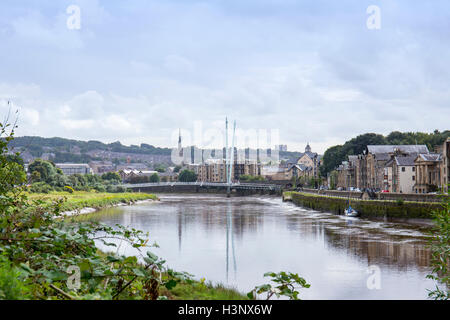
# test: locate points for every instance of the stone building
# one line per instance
(428, 172)
(400, 174)
(310, 159)
(445, 165)
(377, 156)
(215, 170)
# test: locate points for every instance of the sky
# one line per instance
(312, 71)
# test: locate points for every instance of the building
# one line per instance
(215, 170)
(377, 156)
(445, 165)
(400, 174)
(132, 166)
(74, 168)
(428, 172)
(128, 175)
(101, 167)
(310, 159)
(281, 147)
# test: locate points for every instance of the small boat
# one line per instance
(350, 212)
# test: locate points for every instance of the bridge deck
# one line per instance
(248, 186)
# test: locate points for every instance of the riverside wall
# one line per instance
(366, 208)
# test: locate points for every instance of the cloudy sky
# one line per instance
(136, 71)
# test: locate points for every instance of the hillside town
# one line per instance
(380, 168)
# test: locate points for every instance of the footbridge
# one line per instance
(213, 187)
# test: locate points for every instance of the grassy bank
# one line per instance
(80, 199)
(202, 291)
(367, 208)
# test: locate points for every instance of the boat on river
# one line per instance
(350, 212)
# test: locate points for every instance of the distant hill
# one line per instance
(334, 156)
(76, 151)
(67, 150)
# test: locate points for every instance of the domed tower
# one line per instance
(308, 148)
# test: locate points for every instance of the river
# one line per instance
(235, 241)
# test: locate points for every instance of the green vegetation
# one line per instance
(250, 178)
(36, 146)
(79, 200)
(44, 255)
(154, 178)
(187, 176)
(440, 247)
(286, 285)
(46, 177)
(46, 258)
(334, 156)
(199, 290)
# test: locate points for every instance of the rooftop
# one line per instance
(430, 156)
(376, 149)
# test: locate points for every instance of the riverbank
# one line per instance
(90, 202)
(366, 208)
(87, 202)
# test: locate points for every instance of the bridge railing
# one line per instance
(206, 184)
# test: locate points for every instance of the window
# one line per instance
(414, 169)
(403, 169)
(414, 178)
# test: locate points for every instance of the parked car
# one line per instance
(385, 191)
(339, 189)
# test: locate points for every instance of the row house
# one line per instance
(377, 156)
(398, 168)
(400, 174)
(216, 170)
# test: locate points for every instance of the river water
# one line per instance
(235, 241)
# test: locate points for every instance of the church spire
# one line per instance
(308, 148)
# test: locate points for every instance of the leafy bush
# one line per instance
(99, 187)
(440, 249)
(40, 187)
(12, 286)
(38, 245)
(287, 284)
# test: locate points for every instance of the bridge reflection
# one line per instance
(400, 249)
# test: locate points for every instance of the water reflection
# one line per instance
(260, 234)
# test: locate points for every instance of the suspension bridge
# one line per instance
(239, 188)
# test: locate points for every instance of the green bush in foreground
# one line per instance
(286, 284)
(42, 257)
(440, 247)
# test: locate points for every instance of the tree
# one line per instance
(177, 169)
(187, 176)
(160, 168)
(112, 176)
(46, 169)
(154, 178)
